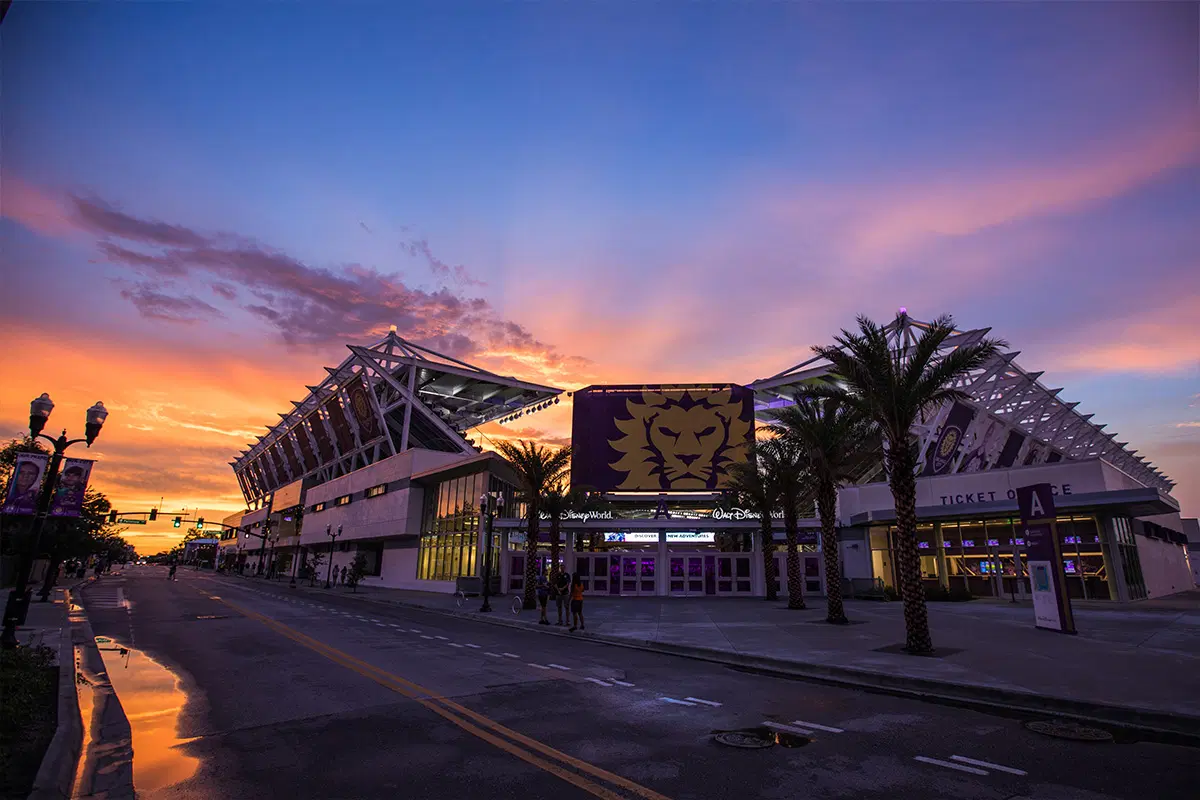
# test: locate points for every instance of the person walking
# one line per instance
(543, 596)
(343, 580)
(171, 573)
(577, 603)
(560, 590)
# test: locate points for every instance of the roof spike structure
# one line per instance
(1002, 394)
(382, 399)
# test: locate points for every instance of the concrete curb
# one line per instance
(1157, 724)
(107, 767)
(56, 776)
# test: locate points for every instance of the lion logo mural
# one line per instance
(679, 440)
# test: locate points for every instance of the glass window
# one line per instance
(1000, 531)
(951, 541)
(974, 536)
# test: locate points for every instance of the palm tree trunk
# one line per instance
(904, 492)
(768, 550)
(795, 579)
(531, 545)
(827, 509)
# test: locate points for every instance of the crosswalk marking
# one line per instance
(949, 765)
(676, 702)
(815, 726)
(705, 702)
(989, 765)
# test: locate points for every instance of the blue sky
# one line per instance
(646, 191)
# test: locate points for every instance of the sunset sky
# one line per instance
(204, 202)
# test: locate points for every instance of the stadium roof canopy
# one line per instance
(1053, 429)
(381, 400)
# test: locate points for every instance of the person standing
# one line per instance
(560, 590)
(577, 603)
(343, 580)
(543, 596)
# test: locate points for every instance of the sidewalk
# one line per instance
(1142, 658)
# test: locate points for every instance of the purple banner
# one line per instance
(67, 500)
(983, 447)
(1012, 446)
(941, 454)
(659, 438)
(363, 409)
(26, 480)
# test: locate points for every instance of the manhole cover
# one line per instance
(746, 741)
(1068, 730)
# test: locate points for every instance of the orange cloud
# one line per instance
(1146, 340)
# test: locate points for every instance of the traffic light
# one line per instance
(177, 522)
(200, 524)
(112, 517)
(153, 514)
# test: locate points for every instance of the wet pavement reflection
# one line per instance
(153, 698)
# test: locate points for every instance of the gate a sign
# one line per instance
(1051, 606)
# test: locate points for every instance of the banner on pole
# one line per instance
(72, 482)
(1051, 605)
(22, 495)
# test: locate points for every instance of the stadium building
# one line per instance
(377, 459)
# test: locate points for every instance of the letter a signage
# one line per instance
(1051, 606)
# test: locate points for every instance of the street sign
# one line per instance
(124, 521)
(1051, 604)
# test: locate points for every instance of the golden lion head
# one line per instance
(680, 439)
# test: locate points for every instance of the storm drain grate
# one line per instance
(1063, 729)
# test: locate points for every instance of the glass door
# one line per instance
(637, 575)
(733, 574)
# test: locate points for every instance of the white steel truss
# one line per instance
(1000, 392)
(418, 397)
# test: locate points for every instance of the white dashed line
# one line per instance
(493, 655)
(676, 702)
(779, 726)
(530, 663)
(597, 681)
(374, 620)
(511, 655)
(443, 638)
(705, 702)
(394, 625)
(413, 630)
(622, 683)
(815, 726)
(475, 646)
(989, 765)
(452, 644)
(430, 638)
(380, 625)
(559, 666)
(948, 765)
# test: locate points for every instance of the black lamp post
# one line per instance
(17, 606)
(262, 543)
(332, 538)
(271, 566)
(487, 508)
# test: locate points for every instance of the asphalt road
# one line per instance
(299, 695)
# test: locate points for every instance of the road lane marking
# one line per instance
(989, 765)
(676, 702)
(779, 726)
(597, 681)
(452, 644)
(949, 765)
(815, 726)
(558, 666)
(494, 655)
(622, 683)
(485, 728)
(472, 645)
(394, 625)
(374, 620)
(530, 663)
(511, 655)
(413, 630)
(430, 638)
(705, 702)
(443, 638)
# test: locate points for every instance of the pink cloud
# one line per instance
(38, 210)
(1150, 340)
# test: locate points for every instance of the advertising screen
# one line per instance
(659, 438)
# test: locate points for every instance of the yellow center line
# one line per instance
(451, 711)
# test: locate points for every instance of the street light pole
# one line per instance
(17, 606)
(332, 538)
(487, 506)
(262, 545)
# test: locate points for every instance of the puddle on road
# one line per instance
(153, 699)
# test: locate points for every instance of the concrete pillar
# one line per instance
(661, 579)
(757, 575)
(942, 567)
(569, 553)
(1113, 564)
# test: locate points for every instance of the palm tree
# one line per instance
(784, 462)
(895, 388)
(838, 442)
(756, 488)
(556, 501)
(538, 469)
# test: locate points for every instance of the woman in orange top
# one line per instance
(577, 602)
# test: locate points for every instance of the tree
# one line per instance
(755, 488)
(358, 568)
(538, 468)
(838, 442)
(896, 387)
(785, 465)
(313, 565)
